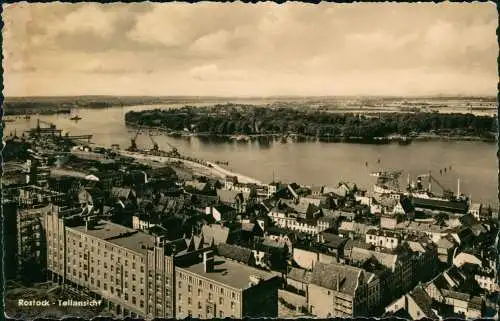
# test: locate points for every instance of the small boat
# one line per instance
(74, 116)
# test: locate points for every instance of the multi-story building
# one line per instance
(380, 238)
(337, 290)
(31, 257)
(131, 271)
(219, 288)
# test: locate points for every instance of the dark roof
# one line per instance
(468, 220)
(274, 230)
(234, 252)
(224, 209)
(406, 204)
(332, 240)
(452, 206)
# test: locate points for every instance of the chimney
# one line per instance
(458, 187)
(208, 261)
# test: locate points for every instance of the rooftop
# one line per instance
(229, 273)
(119, 235)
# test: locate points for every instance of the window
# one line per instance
(134, 301)
(142, 269)
(221, 314)
(142, 304)
(142, 280)
(210, 296)
(133, 288)
(180, 309)
(180, 297)
(126, 296)
(125, 285)
(189, 288)
(133, 277)
(221, 301)
(142, 291)
(199, 305)
(133, 265)
(105, 286)
(199, 292)
(126, 274)
(189, 300)
(180, 284)
(98, 283)
(233, 305)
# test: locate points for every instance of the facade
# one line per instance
(131, 271)
(220, 288)
(385, 239)
(337, 290)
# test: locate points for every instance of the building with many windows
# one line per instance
(219, 288)
(131, 271)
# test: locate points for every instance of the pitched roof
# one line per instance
(298, 274)
(234, 252)
(424, 302)
(227, 196)
(336, 276)
(445, 243)
(216, 233)
(332, 240)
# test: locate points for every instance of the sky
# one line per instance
(265, 49)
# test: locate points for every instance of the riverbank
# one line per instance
(294, 137)
(208, 168)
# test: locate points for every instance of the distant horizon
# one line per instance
(258, 97)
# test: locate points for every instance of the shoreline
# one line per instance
(210, 167)
(304, 138)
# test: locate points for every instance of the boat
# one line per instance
(74, 116)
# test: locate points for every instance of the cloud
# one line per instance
(251, 48)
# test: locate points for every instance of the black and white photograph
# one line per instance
(234, 160)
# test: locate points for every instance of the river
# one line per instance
(310, 163)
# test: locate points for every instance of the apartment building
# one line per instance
(218, 288)
(337, 290)
(131, 271)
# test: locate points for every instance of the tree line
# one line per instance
(248, 120)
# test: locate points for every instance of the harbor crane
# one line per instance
(156, 149)
(133, 145)
(174, 151)
(446, 191)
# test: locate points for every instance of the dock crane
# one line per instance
(446, 191)
(156, 149)
(174, 151)
(133, 145)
